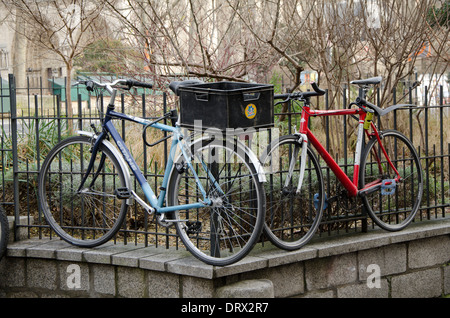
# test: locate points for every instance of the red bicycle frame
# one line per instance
(349, 185)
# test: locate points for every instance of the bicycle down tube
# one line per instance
(156, 203)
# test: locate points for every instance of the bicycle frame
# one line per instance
(350, 185)
(156, 203)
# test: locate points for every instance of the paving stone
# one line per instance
(429, 252)
(256, 288)
(42, 274)
(104, 279)
(418, 284)
(390, 260)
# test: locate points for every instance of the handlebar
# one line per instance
(131, 83)
(301, 95)
(90, 84)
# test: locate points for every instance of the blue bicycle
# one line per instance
(211, 190)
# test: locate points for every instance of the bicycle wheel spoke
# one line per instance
(392, 207)
(291, 218)
(226, 231)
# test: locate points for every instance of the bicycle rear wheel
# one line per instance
(291, 218)
(4, 232)
(393, 205)
(89, 216)
(226, 231)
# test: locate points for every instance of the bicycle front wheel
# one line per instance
(391, 205)
(292, 217)
(86, 216)
(4, 232)
(226, 230)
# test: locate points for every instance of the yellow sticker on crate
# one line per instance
(250, 111)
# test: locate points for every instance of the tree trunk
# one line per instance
(70, 130)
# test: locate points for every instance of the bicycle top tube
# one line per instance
(143, 121)
(156, 204)
(127, 84)
(363, 104)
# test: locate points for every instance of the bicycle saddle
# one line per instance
(175, 85)
(369, 81)
(382, 112)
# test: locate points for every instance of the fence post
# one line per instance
(13, 101)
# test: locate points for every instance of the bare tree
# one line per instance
(63, 27)
(371, 38)
(347, 40)
(190, 38)
(276, 26)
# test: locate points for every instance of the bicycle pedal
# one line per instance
(316, 201)
(122, 193)
(388, 186)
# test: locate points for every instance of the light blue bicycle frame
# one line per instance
(156, 203)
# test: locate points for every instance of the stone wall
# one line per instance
(411, 263)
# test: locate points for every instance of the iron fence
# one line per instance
(37, 118)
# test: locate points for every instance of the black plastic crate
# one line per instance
(225, 105)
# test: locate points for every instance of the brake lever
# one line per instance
(78, 83)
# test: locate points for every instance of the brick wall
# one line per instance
(411, 263)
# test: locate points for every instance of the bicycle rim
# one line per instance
(225, 232)
(292, 218)
(89, 216)
(392, 206)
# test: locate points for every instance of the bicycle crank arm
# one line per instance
(147, 207)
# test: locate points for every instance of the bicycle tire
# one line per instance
(4, 233)
(225, 232)
(292, 218)
(392, 207)
(89, 217)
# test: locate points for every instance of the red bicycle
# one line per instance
(387, 174)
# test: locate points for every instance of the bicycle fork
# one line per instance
(303, 142)
(94, 151)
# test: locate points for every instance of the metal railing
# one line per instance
(38, 119)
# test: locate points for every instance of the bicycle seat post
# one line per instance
(363, 91)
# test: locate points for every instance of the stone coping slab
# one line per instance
(183, 263)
